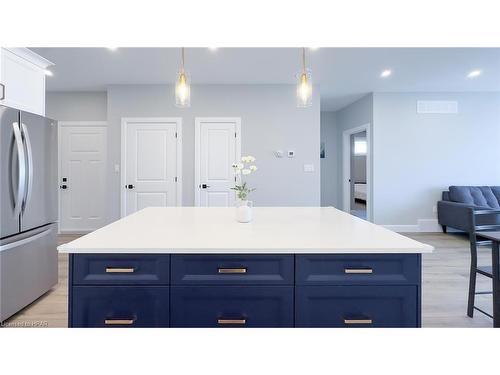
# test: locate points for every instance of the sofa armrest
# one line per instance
(455, 215)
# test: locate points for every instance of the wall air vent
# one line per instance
(437, 106)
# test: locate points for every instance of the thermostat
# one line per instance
(291, 153)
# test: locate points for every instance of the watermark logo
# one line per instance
(25, 324)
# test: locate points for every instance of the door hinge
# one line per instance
(175, 134)
(235, 135)
(175, 179)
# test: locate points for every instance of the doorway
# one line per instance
(151, 163)
(82, 176)
(357, 172)
(217, 146)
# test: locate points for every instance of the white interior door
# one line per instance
(218, 145)
(151, 164)
(82, 178)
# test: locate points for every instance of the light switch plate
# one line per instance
(117, 168)
(308, 167)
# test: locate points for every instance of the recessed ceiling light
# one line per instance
(112, 48)
(314, 48)
(213, 49)
(386, 73)
(474, 74)
(48, 73)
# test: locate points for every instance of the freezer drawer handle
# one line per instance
(358, 270)
(358, 321)
(120, 270)
(121, 322)
(25, 240)
(231, 321)
(3, 91)
(232, 270)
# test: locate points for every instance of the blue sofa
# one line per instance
(454, 210)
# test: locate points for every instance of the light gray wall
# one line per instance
(419, 155)
(354, 115)
(270, 121)
(329, 165)
(76, 106)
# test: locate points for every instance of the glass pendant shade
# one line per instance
(183, 90)
(304, 89)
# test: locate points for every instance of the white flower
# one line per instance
(248, 159)
(237, 171)
(246, 171)
(253, 168)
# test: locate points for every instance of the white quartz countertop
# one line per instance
(197, 230)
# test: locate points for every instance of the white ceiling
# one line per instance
(344, 74)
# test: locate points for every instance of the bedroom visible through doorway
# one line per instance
(358, 174)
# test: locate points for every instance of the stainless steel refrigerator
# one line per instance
(28, 208)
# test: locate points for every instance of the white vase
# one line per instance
(244, 211)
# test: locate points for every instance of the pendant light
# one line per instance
(304, 85)
(182, 87)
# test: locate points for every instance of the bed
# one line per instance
(360, 191)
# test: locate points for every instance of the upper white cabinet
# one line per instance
(22, 79)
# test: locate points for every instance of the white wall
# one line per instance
(76, 106)
(270, 121)
(329, 165)
(417, 156)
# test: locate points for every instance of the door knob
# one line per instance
(129, 186)
(204, 186)
(64, 187)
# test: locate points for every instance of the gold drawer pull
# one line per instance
(358, 270)
(119, 270)
(231, 321)
(112, 322)
(358, 321)
(232, 270)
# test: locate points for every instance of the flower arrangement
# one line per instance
(245, 167)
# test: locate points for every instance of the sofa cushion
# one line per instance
(476, 195)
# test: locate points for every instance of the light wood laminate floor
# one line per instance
(445, 283)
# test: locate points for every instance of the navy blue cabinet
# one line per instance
(248, 290)
(232, 306)
(356, 306)
(233, 269)
(120, 306)
(91, 269)
(358, 269)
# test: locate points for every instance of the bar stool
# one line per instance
(475, 241)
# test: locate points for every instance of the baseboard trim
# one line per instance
(424, 225)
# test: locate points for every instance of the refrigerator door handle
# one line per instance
(29, 154)
(21, 178)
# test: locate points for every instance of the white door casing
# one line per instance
(217, 146)
(151, 163)
(346, 169)
(82, 162)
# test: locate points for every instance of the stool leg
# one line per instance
(472, 276)
(496, 281)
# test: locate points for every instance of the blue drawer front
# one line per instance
(232, 306)
(358, 269)
(95, 269)
(232, 269)
(120, 306)
(356, 306)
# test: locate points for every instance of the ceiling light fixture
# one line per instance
(386, 73)
(474, 74)
(112, 48)
(304, 84)
(213, 49)
(48, 73)
(182, 87)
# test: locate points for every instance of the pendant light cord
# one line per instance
(303, 60)
(182, 59)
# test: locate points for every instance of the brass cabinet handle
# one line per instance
(231, 321)
(232, 270)
(358, 270)
(119, 270)
(358, 321)
(114, 322)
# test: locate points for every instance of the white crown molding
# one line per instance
(30, 56)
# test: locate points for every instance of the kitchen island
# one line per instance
(289, 267)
